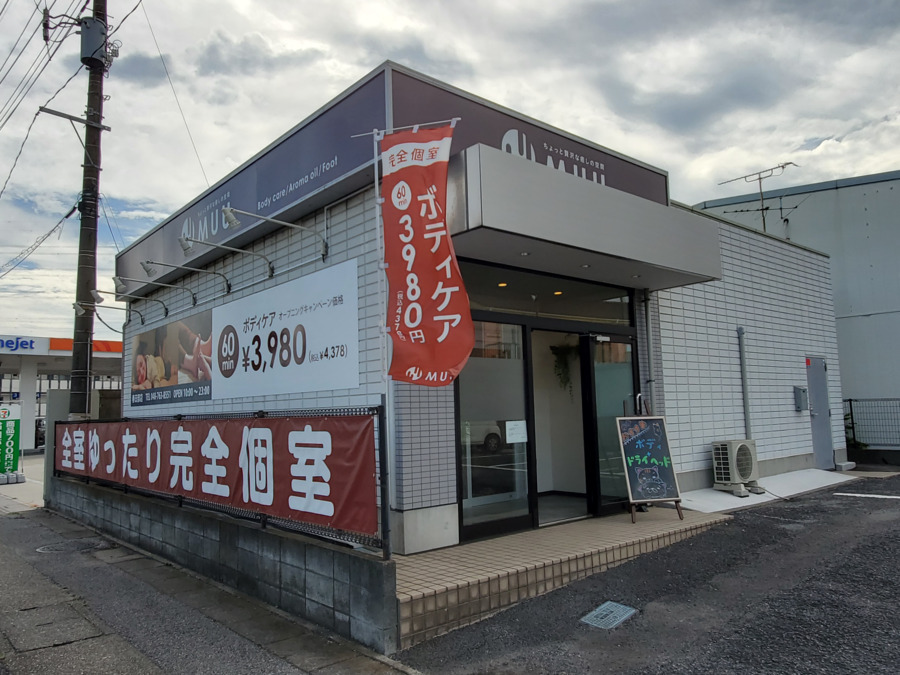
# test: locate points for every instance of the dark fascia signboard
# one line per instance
(417, 99)
(324, 158)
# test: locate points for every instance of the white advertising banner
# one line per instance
(300, 336)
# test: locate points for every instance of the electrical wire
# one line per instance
(18, 39)
(24, 140)
(786, 499)
(3, 9)
(26, 82)
(174, 93)
(13, 263)
(114, 330)
(59, 247)
(21, 257)
(125, 18)
(109, 225)
(25, 93)
(35, 70)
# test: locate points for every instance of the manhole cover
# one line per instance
(72, 546)
(608, 615)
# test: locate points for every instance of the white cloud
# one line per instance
(704, 89)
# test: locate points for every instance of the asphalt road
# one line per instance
(809, 585)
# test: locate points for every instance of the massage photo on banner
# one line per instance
(172, 363)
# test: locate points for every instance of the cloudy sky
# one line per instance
(705, 89)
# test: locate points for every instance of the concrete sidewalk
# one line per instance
(73, 601)
(781, 486)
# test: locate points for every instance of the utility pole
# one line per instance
(93, 55)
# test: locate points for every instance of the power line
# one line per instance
(32, 74)
(30, 85)
(28, 132)
(3, 9)
(125, 18)
(21, 33)
(109, 225)
(21, 90)
(65, 247)
(24, 140)
(100, 318)
(177, 102)
(68, 14)
(12, 264)
(16, 44)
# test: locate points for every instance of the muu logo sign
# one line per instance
(415, 374)
(554, 154)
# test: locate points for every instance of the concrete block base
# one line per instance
(348, 591)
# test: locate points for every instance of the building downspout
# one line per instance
(651, 379)
(742, 351)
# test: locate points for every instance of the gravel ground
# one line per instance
(808, 585)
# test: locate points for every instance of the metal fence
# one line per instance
(873, 422)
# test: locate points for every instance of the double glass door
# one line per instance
(514, 449)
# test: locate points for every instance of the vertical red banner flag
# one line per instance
(428, 308)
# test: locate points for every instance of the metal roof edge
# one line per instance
(802, 189)
(725, 221)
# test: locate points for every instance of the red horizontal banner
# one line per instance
(318, 470)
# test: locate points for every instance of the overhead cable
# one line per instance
(34, 119)
(125, 18)
(18, 39)
(112, 234)
(177, 102)
(11, 111)
(13, 263)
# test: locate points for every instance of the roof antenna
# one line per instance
(759, 176)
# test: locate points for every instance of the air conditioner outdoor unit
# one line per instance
(735, 468)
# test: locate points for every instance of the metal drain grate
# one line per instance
(608, 615)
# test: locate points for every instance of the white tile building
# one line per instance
(570, 252)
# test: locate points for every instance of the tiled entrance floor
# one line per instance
(438, 591)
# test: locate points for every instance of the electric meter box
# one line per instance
(801, 398)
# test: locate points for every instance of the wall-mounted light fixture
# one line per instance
(80, 309)
(186, 246)
(150, 271)
(98, 298)
(234, 223)
(122, 288)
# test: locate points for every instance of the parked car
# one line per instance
(488, 434)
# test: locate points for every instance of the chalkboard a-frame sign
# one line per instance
(649, 471)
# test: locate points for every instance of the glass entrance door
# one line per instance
(494, 433)
(611, 394)
(559, 437)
